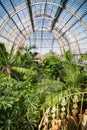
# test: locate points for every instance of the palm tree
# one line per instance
(15, 63)
(6, 58)
(73, 76)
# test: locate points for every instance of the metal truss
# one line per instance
(31, 15)
(41, 12)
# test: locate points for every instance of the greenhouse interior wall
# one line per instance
(43, 64)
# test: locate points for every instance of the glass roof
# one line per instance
(55, 25)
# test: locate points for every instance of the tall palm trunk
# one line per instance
(8, 70)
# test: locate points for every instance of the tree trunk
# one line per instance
(8, 70)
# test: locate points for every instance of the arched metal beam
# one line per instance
(58, 12)
(31, 14)
(60, 34)
(56, 38)
(7, 39)
(68, 29)
(17, 14)
(63, 40)
(48, 30)
(18, 9)
(21, 41)
(11, 18)
(53, 35)
(58, 43)
(72, 33)
(50, 19)
(28, 33)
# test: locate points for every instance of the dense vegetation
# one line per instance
(28, 86)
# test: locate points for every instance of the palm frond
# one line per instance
(11, 52)
(19, 69)
(3, 54)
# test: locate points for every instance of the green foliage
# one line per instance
(31, 75)
(52, 66)
(34, 86)
(18, 105)
(72, 74)
(84, 56)
(6, 59)
(25, 59)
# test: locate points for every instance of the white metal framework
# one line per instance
(55, 25)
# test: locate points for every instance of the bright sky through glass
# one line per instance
(55, 25)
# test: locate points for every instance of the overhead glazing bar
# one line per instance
(30, 12)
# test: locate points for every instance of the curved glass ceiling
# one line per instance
(44, 43)
(55, 25)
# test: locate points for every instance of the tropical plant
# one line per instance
(15, 64)
(18, 105)
(52, 66)
(72, 74)
(40, 85)
(6, 59)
